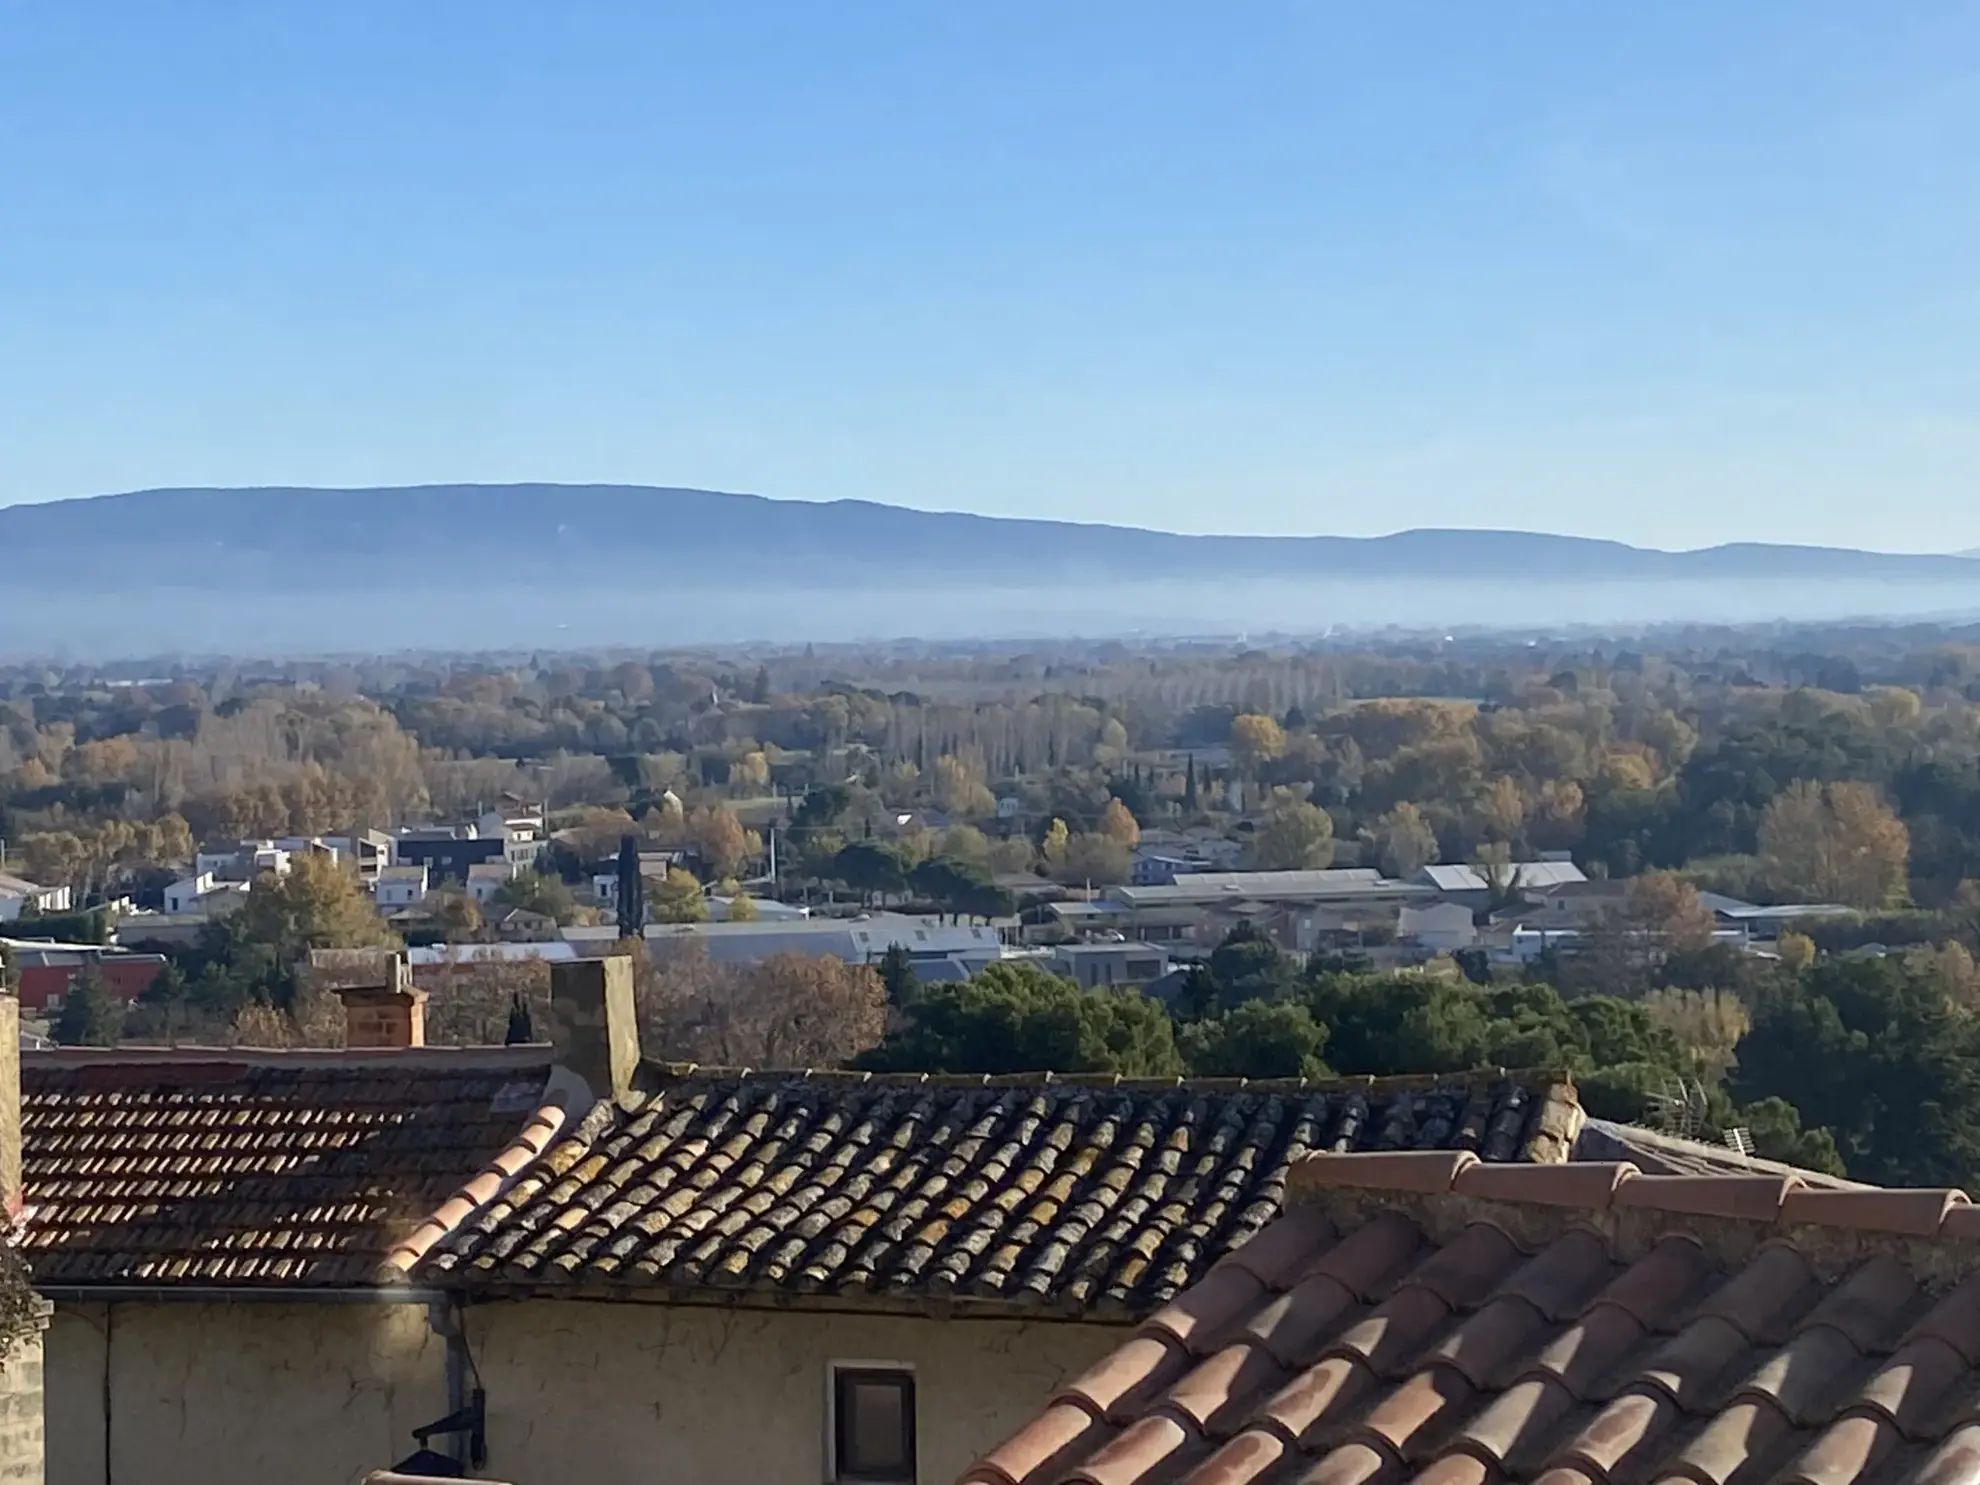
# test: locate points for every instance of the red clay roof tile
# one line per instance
(246, 1169)
(1590, 1186)
(1592, 1351)
(1956, 1461)
(1843, 1453)
(1150, 1450)
(1145, 1366)
(1428, 1172)
(1320, 1392)
(1917, 1213)
(1240, 1461)
(1290, 1325)
(1752, 1198)
(1063, 1433)
(1212, 1394)
(1204, 1312)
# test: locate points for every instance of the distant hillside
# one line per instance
(447, 565)
(232, 533)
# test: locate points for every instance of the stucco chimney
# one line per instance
(596, 1030)
(383, 1010)
(10, 1102)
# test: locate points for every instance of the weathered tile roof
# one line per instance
(1102, 1199)
(1421, 1317)
(236, 1168)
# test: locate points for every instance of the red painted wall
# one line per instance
(127, 978)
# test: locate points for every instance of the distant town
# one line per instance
(780, 1032)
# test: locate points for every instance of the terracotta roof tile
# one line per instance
(292, 1169)
(1443, 1337)
(1103, 1198)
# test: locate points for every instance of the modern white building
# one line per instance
(18, 895)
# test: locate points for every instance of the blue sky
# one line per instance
(1673, 273)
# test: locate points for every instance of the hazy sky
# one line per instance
(1676, 273)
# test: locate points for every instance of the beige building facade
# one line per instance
(237, 1391)
(241, 1392)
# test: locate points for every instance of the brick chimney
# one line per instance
(596, 1028)
(383, 1010)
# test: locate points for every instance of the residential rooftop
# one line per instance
(1100, 1198)
(1422, 1316)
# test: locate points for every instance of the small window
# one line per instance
(872, 1426)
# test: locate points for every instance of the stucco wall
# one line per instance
(21, 1412)
(237, 1394)
(317, 1394)
(620, 1393)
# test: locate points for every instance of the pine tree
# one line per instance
(522, 1031)
(91, 1016)
(632, 891)
(1189, 785)
(898, 976)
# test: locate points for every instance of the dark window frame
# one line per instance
(846, 1459)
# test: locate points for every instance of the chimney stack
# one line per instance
(10, 1097)
(383, 1010)
(596, 1029)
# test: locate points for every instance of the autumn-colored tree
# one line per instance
(1502, 812)
(1296, 836)
(675, 898)
(457, 914)
(1255, 741)
(1951, 965)
(1558, 817)
(959, 786)
(1118, 824)
(472, 993)
(1707, 1023)
(742, 908)
(1834, 843)
(1404, 841)
(790, 1010)
(318, 904)
(1665, 905)
(751, 771)
(1098, 859)
(1058, 839)
(718, 836)
(1795, 950)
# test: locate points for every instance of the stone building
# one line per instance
(562, 1261)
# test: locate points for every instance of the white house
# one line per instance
(400, 887)
(486, 878)
(18, 895)
(183, 895)
(1441, 927)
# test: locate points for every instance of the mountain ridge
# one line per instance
(383, 520)
(290, 569)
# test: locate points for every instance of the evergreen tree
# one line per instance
(1189, 785)
(897, 974)
(90, 1016)
(522, 1030)
(632, 890)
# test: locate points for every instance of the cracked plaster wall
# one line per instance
(237, 1394)
(616, 1393)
